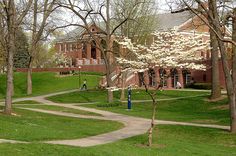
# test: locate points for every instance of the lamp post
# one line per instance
(79, 77)
(129, 98)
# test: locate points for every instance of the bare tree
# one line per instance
(233, 105)
(215, 75)
(101, 13)
(212, 18)
(42, 10)
(12, 15)
(143, 21)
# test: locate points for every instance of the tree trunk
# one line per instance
(232, 101)
(215, 78)
(8, 102)
(108, 55)
(10, 53)
(233, 107)
(228, 78)
(123, 79)
(154, 107)
(109, 91)
(150, 131)
(110, 96)
(29, 78)
(229, 85)
(122, 94)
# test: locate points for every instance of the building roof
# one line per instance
(166, 21)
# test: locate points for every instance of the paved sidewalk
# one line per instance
(12, 141)
(169, 99)
(132, 125)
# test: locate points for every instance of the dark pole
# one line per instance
(129, 98)
(79, 77)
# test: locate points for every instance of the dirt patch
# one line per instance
(230, 145)
(217, 99)
(221, 107)
(153, 146)
(12, 114)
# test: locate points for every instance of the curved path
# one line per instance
(12, 141)
(132, 125)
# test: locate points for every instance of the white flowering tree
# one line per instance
(168, 50)
(60, 59)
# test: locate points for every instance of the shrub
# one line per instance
(206, 86)
(88, 73)
(115, 104)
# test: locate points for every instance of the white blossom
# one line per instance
(60, 59)
(169, 49)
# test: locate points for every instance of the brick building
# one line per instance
(83, 51)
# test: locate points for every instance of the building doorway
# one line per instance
(152, 77)
(187, 77)
(140, 78)
(93, 50)
(163, 77)
(174, 77)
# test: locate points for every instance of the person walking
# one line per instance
(84, 87)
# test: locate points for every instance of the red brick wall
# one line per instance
(198, 75)
(88, 68)
(195, 24)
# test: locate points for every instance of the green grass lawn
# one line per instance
(47, 82)
(34, 126)
(61, 109)
(101, 95)
(194, 109)
(168, 141)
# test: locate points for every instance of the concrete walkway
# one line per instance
(133, 126)
(169, 99)
(12, 141)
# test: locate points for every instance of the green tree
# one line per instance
(141, 22)
(21, 56)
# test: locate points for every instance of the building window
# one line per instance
(62, 47)
(74, 48)
(104, 47)
(73, 62)
(204, 77)
(93, 50)
(116, 49)
(202, 54)
(70, 47)
(207, 55)
(67, 47)
(84, 50)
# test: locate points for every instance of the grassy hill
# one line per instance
(47, 82)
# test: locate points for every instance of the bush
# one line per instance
(206, 86)
(88, 73)
(115, 104)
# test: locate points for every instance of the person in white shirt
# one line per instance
(178, 85)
